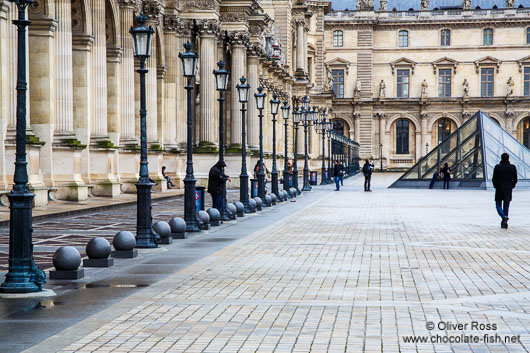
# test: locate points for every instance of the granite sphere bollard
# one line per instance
(252, 205)
(178, 228)
(164, 230)
(293, 192)
(240, 209)
(98, 251)
(268, 201)
(274, 198)
(66, 260)
(232, 210)
(215, 216)
(204, 220)
(259, 203)
(124, 243)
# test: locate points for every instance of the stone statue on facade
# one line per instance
(509, 87)
(424, 87)
(424, 5)
(466, 5)
(365, 4)
(383, 5)
(382, 89)
(328, 86)
(465, 86)
(509, 4)
(357, 89)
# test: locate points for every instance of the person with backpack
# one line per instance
(216, 184)
(367, 172)
(337, 170)
(504, 181)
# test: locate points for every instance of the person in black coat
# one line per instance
(504, 180)
(367, 172)
(337, 173)
(446, 172)
(216, 182)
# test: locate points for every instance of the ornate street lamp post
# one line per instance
(243, 90)
(221, 83)
(275, 105)
(322, 130)
(329, 130)
(145, 236)
(427, 148)
(189, 69)
(260, 104)
(297, 117)
(381, 156)
(285, 116)
(23, 275)
(307, 116)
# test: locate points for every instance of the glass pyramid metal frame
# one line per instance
(471, 152)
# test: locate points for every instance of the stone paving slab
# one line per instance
(351, 272)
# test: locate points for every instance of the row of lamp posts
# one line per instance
(24, 276)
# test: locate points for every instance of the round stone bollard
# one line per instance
(268, 201)
(274, 198)
(66, 260)
(240, 209)
(285, 195)
(252, 205)
(259, 203)
(164, 230)
(204, 220)
(215, 217)
(124, 243)
(98, 252)
(293, 192)
(232, 210)
(178, 228)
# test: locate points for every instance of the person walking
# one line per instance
(337, 169)
(504, 181)
(368, 169)
(216, 182)
(342, 174)
(446, 171)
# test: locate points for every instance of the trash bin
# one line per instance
(313, 178)
(326, 178)
(290, 180)
(199, 197)
(253, 188)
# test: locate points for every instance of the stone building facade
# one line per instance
(83, 110)
(405, 74)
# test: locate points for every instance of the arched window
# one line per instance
(487, 36)
(528, 35)
(402, 136)
(337, 39)
(526, 133)
(444, 131)
(403, 38)
(446, 38)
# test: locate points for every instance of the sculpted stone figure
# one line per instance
(383, 5)
(329, 79)
(365, 4)
(357, 89)
(510, 84)
(466, 5)
(465, 86)
(509, 4)
(382, 89)
(424, 4)
(424, 87)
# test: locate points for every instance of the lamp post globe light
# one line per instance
(275, 105)
(221, 84)
(307, 116)
(243, 90)
(297, 117)
(260, 104)
(145, 236)
(23, 275)
(285, 115)
(189, 69)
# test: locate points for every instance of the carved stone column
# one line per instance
(300, 45)
(64, 108)
(239, 41)
(170, 88)
(357, 126)
(253, 120)
(306, 60)
(424, 138)
(127, 133)
(183, 30)
(153, 11)
(99, 71)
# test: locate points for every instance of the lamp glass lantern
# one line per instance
(260, 98)
(275, 104)
(297, 114)
(305, 103)
(142, 37)
(285, 111)
(189, 61)
(243, 90)
(221, 77)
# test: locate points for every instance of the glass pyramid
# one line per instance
(472, 152)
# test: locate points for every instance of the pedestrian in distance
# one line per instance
(368, 169)
(342, 174)
(216, 183)
(504, 181)
(435, 177)
(170, 184)
(446, 173)
(337, 169)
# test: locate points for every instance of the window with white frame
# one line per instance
(337, 39)
(487, 36)
(403, 37)
(444, 83)
(338, 83)
(403, 81)
(446, 37)
(487, 81)
(527, 81)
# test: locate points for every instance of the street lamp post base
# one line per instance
(146, 237)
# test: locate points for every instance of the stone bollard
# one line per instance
(215, 217)
(178, 228)
(293, 192)
(268, 201)
(274, 199)
(259, 203)
(124, 243)
(164, 230)
(232, 211)
(252, 205)
(98, 252)
(204, 220)
(66, 260)
(240, 209)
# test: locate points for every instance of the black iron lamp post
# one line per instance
(260, 104)
(221, 83)
(189, 68)
(329, 129)
(23, 275)
(297, 117)
(243, 89)
(322, 129)
(307, 116)
(427, 148)
(275, 105)
(145, 236)
(285, 115)
(381, 155)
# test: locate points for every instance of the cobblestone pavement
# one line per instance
(352, 272)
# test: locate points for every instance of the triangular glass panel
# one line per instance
(471, 152)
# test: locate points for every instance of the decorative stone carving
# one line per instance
(466, 115)
(465, 86)
(356, 116)
(357, 89)
(509, 87)
(365, 5)
(424, 116)
(171, 22)
(201, 5)
(424, 87)
(239, 37)
(424, 5)
(466, 5)
(183, 26)
(328, 86)
(78, 20)
(153, 11)
(509, 114)
(383, 5)
(509, 4)
(37, 7)
(208, 26)
(255, 49)
(238, 17)
(382, 89)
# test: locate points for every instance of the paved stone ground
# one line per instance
(351, 272)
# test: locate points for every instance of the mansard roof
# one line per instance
(405, 5)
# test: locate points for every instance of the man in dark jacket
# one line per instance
(367, 172)
(216, 183)
(337, 172)
(504, 180)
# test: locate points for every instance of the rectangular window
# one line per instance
(528, 35)
(446, 38)
(403, 39)
(488, 36)
(338, 83)
(486, 82)
(337, 39)
(527, 81)
(402, 83)
(444, 83)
